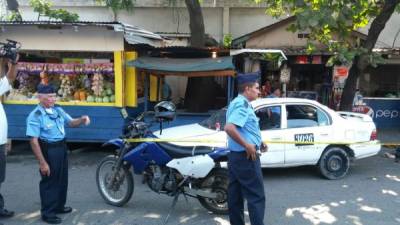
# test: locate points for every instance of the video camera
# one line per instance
(9, 50)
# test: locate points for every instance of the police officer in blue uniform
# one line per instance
(45, 127)
(244, 143)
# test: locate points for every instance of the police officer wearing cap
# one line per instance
(45, 127)
(244, 143)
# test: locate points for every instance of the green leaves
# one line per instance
(328, 22)
(227, 40)
(43, 8)
(117, 5)
(14, 16)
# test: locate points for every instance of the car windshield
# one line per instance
(215, 121)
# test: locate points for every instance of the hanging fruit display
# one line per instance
(66, 89)
(97, 84)
(73, 82)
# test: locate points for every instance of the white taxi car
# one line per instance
(298, 132)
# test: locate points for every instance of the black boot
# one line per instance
(397, 155)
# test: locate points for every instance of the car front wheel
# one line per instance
(334, 163)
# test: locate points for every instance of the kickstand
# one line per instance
(186, 198)
(172, 207)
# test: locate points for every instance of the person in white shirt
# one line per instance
(357, 100)
(8, 72)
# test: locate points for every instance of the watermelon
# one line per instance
(106, 99)
(90, 98)
(99, 99)
(109, 91)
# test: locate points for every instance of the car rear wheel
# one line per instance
(334, 163)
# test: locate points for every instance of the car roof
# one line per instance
(263, 101)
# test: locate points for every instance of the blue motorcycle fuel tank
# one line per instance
(219, 153)
(143, 154)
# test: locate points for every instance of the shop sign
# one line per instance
(341, 71)
(364, 109)
(316, 59)
(340, 74)
(384, 112)
(302, 59)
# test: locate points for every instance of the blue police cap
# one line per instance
(45, 89)
(243, 78)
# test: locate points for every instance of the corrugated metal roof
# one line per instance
(53, 22)
(132, 34)
(394, 51)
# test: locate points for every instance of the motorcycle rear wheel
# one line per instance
(121, 190)
(217, 182)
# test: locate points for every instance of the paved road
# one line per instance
(369, 195)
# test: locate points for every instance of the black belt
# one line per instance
(52, 144)
(258, 148)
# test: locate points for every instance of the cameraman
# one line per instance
(8, 72)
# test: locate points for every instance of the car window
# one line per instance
(216, 119)
(323, 119)
(270, 117)
(305, 116)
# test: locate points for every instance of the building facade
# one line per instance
(235, 17)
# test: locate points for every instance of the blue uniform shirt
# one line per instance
(47, 124)
(241, 113)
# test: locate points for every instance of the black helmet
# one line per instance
(165, 111)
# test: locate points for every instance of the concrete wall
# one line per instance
(387, 36)
(237, 17)
(65, 39)
(158, 3)
(173, 20)
(276, 38)
(246, 20)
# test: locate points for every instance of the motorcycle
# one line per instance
(166, 168)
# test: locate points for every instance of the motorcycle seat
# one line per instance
(176, 151)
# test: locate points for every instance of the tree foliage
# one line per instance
(332, 24)
(329, 22)
(43, 8)
(227, 42)
(117, 5)
(13, 6)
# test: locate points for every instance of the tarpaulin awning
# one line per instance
(221, 66)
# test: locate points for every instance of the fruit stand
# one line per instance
(85, 62)
(94, 89)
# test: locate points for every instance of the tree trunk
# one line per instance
(13, 6)
(196, 24)
(200, 91)
(361, 63)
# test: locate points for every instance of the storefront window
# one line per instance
(382, 81)
(140, 84)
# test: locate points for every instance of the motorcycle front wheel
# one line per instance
(117, 191)
(216, 182)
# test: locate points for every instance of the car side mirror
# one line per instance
(124, 113)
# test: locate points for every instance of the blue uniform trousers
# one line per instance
(53, 188)
(245, 182)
